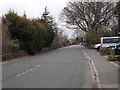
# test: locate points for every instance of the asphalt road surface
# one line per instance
(67, 67)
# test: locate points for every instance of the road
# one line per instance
(67, 67)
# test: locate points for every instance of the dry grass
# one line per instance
(12, 55)
(113, 58)
(5, 39)
(8, 51)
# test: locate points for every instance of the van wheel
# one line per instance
(98, 49)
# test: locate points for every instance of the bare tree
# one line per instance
(87, 15)
(118, 12)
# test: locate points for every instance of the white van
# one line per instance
(109, 41)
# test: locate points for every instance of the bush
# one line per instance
(91, 39)
(12, 55)
(7, 56)
(33, 35)
(14, 47)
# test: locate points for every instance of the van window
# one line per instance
(111, 40)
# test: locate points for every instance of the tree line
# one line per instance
(96, 19)
(31, 34)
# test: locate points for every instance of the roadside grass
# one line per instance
(106, 53)
(10, 56)
(113, 58)
(13, 55)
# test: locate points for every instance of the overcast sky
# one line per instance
(34, 8)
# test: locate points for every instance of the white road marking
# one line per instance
(30, 69)
(95, 75)
(27, 71)
(115, 64)
(21, 73)
(38, 65)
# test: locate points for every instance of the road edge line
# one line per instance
(115, 64)
(95, 75)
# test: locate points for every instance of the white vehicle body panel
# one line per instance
(109, 41)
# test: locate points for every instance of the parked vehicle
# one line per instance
(109, 41)
(97, 46)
